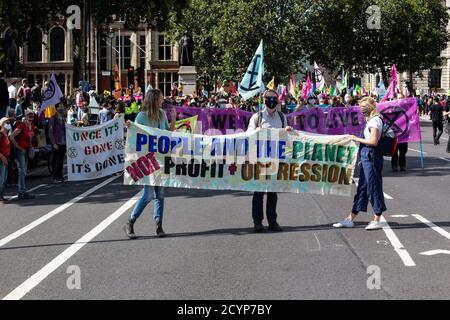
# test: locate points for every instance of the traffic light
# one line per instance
(131, 78)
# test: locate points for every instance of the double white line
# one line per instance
(53, 213)
(38, 277)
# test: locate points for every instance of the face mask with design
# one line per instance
(366, 111)
(311, 101)
(271, 102)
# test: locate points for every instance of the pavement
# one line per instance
(68, 243)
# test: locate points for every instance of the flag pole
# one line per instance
(420, 137)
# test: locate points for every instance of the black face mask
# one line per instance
(271, 102)
(366, 111)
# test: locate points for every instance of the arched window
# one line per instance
(57, 44)
(34, 38)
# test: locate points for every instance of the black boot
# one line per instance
(2, 198)
(129, 229)
(159, 230)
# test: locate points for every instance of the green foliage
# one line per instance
(342, 38)
(227, 33)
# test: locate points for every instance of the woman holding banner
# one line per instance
(370, 186)
(151, 115)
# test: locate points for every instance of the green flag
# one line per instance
(344, 81)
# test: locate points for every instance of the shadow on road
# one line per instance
(232, 232)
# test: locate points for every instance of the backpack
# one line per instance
(387, 145)
(259, 119)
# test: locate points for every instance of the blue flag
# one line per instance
(252, 83)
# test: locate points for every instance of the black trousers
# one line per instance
(399, 157)
(437, 125)
(271, 207)
(58, 161)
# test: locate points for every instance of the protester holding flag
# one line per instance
(22, 140)
(57, 136)
(153, 116)
(399, 156)
(268, 118)
(370, 186)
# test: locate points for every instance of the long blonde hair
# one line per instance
(151, 105)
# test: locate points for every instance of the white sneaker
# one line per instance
(374, 225)
(344, 224)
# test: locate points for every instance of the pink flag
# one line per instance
(307, 88)
(392, 90)
(283, 93)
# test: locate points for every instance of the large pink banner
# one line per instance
(400, 115)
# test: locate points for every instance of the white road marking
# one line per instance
(398, 246)
(439, 230)
(53, 213)
(434, 252)
(386, 196)
(19, 292)
(445, 159)
(418, 151)
(32, 189)
(399, 215)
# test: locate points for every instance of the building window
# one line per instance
(164, 48)
(103, 57)
(165, 81)
(142, 57)
(34, 44)
(125, 51)
(57, 44)
(434, 78)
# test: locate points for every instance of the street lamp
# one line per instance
(111, 35)
(409, 58)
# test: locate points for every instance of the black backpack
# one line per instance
(387, 145)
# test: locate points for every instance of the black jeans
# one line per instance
(271, 207)
(448, 143)
(58, 161)
(437, 125)
(402, 149)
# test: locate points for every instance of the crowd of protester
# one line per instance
(27, 132)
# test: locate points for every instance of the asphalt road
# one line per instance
(211, 251)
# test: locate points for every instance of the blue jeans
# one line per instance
(22, 165)
(150, 193)
(3, 175)
(370, 186)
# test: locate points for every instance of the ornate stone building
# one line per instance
(148, 51)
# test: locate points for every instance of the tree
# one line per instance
(413, 33)
(40, 13)
(227, 33)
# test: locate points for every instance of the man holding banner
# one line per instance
(268, 118)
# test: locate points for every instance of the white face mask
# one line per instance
(311, 101)
(7, 127)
